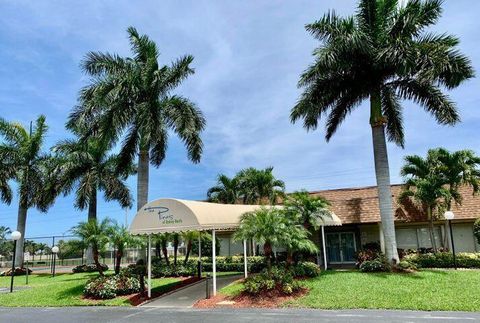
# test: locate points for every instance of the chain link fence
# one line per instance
(38, 254)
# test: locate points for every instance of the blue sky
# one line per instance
(248, 56)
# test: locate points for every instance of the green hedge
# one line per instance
(444, 260)
(223, 264)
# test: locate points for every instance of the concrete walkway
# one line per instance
(186, 297)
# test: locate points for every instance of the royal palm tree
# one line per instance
(94, 233)
(382, 54)
(227, 190)
(120, 238)
(32, 169)
(87, 167)
(131, 98)
(259, 185)
(425, 185)
(307, 210)
(267, 226)
(460, 168)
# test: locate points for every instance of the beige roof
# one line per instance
(172, 215)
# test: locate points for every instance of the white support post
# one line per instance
(324, 248)
(214, 264)
(149, 253)
(199, 246)
(245, 258)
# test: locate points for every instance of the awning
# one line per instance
(172, 215)
(331, 221)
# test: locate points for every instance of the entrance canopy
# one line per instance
(172, 215)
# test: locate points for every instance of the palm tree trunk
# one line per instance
(118, 260)
(267, 250)
(142, 180)
(165, 253)
(189, 248)
(96, 260)
(92, 216)
(431, 229)
(158, 252)
(382, 174)
(175, 249)
(21, 223)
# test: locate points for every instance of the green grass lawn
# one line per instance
(63, 290)
(429, 290)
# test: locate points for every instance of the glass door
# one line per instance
(341, 247)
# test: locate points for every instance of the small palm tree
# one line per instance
(227, 190)
(189, 237)
(425, 185)
(120, 238)
(296, 239)
(3, 232)
(267, 226)
(94, 233)
(23, 160)
(131, 98)
(460, 168)
(307, 210)
(258, 185)
(163, 240)
(381, 54)
(176, 243)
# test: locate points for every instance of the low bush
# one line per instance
(405, 266)
(371, 266)
(160, 269)
(276, 282)
(105, 287)
(88, 268)
(18, 272)
(444, 260)
(305, 269)
(370, 251)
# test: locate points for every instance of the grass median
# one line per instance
(64, 290)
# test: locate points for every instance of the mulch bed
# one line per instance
(245, 300)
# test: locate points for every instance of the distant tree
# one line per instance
(227, 190)
(259, 185)
(23, 158)
(476, 230)
(381, 54)
(4, 243)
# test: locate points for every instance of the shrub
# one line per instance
(105, 287)
(277, 281)
(370, 251)
(306, 269)
(405, 266)
(88, 268)
(444, 260)
(371, 266)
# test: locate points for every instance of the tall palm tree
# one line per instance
(94, 233)
(32, 169)
(309, 211)
(120, 238)
(131, 98)
(259, 185)
(460, 168)
(426, 185)
(87, 167)
(382, 54)
(227, 190)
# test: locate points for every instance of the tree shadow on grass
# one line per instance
(70, 292)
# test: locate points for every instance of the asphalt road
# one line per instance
(119, 314)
